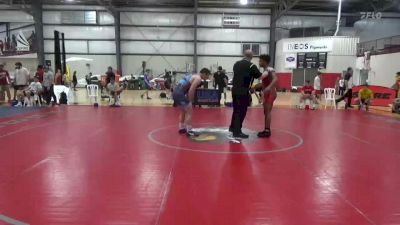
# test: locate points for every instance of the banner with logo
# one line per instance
(17, 40)
(323, 45)
(291, 61)
(383, 96)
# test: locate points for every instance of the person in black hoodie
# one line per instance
(244, 73)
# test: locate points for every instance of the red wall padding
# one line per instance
(328, 80)
(284, 81)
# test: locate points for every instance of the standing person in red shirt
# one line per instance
(39, 73)
(5, 81)
(268, 79)
(58, 77)
(308, 92)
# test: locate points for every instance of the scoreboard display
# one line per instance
(310, 60)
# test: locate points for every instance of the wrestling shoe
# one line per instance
(191, 133)
(182, 131)
(241, 135)
(264, 134)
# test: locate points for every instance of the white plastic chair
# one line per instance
(330, 96)
(93, 92)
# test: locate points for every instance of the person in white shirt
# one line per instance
(21, 78)
(115, 92)
(317, 85)
(342, 87)
(35, 88)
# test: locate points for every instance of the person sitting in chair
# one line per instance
(115, 90)
(307, 93)
(365, 95)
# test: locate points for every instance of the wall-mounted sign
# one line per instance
(371, 15)
(308, 46)
(22, 44)
(291, 61)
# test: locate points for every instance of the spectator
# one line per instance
(58, 78)
(110, 74)
(35, 88)
(115, 91)
(220, 82)
(307, 93)
(348, 84)
(5, 81)
(21, 78)
(317, 85)
(39, 73)
(147, 85)
(342, 88)
(74, 80)
(365, 95)
(396, 86)
(48, 86)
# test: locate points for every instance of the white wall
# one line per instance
(384, 69)
(340, 58)
(132, 64)
(289, 22)
(15, 16)
(97, 66)
(369, 30)
(146, 33)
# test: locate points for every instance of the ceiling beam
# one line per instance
(284, 6)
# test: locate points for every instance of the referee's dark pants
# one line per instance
(240, 104)
(349, 95)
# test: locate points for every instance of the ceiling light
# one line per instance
(243, 2)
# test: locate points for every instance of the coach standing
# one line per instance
(244, 72)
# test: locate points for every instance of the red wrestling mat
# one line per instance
(85, 165)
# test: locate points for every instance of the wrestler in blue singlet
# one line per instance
(181, 90)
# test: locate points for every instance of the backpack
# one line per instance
(163, 95)
(63, 98)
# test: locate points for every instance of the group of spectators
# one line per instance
(30, 88)
(344, 89)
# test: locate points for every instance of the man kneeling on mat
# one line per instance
(268, 79)
(115, 91)
(183, 96)
(365, 95)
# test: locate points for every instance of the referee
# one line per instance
(244, 72)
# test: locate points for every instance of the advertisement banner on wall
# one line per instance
(291, 61)
(17, 41)
(308, 46)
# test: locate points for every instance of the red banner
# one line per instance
(383, 96)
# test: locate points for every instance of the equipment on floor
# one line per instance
(209, 97)
(163, 95)
(63, 98)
